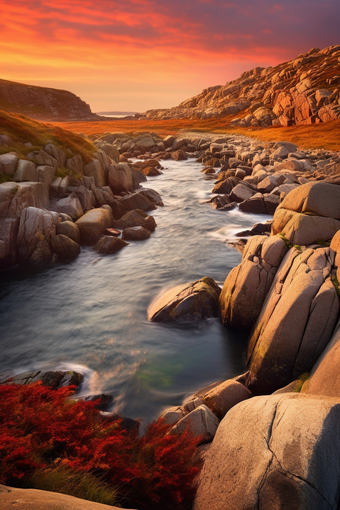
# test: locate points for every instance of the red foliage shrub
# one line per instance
(42, 428)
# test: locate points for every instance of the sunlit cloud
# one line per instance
(158, 52)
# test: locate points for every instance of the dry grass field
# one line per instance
(316, 136)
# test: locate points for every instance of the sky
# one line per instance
(136, 55)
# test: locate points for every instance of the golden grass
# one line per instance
(315, 136)
(22, 129)
(77, 484)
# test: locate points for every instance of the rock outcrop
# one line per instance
(25, 499)
(43, 103)
(296, 321)
(274, 452)
(304, 90)
(248, 284)
(188, 302)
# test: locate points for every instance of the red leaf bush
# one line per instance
(41, 428)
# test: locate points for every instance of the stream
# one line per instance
(90, 315)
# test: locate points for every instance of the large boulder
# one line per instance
(69, 229)
(109, 244)
(93, 224)
(64, 247)
(274, 452)
(296, 322)
(8, 163)
(26, 171)
(247, 285)
(94, 169)
(222, 397)
(325, 376)
(121, 178)
(71, 206)
(136, 233)
(318, 198)
(36, 228)
(137, 201)
(200, 422)
(26, 499)
(303, 229)
(309, 213)
(188, 302)
(135, 218)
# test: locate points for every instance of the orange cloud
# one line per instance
(142, 54)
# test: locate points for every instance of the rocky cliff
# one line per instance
(43, 103)
(305, 90)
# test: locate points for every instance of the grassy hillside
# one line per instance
(21, 129)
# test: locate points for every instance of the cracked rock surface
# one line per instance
(296, 321)
(247, 285)
(274, 452)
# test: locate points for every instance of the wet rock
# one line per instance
(137, 201)
(69, 229)
(136, 233)
(64, 247)
(112, 232)
(152, 195)
(241, 192)
(136, 218)
(93, 224)
(179, 155)
(53, 378)
(109, 244)
(103, 400)
(225, 186)
(188, 302)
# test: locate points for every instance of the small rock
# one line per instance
(109, 244)
(136, 233)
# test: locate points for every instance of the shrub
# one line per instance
(43, 431)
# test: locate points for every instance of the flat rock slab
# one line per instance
(28, 499)
(188, 302)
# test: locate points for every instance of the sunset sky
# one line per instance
(141, 54)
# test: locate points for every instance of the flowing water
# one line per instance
(90, 314)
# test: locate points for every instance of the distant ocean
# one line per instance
(115, 114)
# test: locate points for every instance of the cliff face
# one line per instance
(42, 103)
(305, 90)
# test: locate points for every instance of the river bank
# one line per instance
(283, 291)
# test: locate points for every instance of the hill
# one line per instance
(43, 103)
(305, 90)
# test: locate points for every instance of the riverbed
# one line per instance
(90, 314)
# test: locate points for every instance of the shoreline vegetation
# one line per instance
(316, 136)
